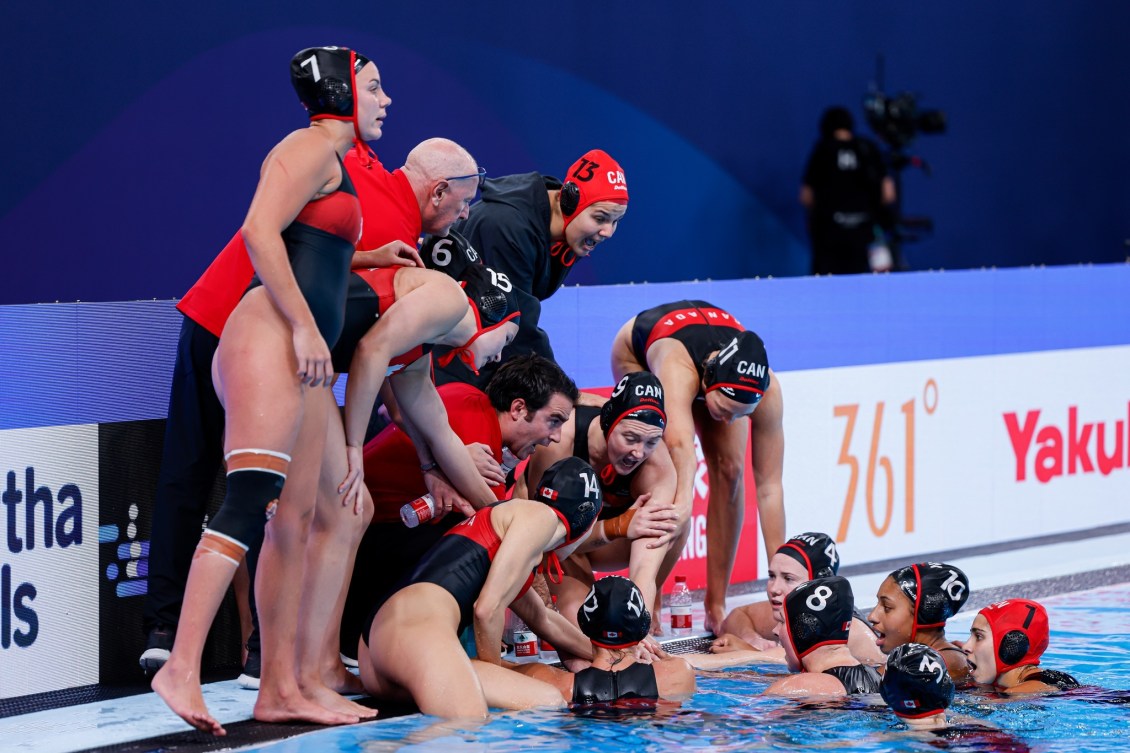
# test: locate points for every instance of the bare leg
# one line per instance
(281, 566)
(334, 536)
(241, 585)
(507, 689)
(724, 447)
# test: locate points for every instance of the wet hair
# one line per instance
(532, 378)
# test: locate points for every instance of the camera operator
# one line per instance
(847, 192)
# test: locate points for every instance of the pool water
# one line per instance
(1090, 639)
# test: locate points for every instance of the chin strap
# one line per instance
(551, 568)
(566, 253)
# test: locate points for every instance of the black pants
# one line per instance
(193, 453)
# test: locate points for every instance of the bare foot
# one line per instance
(299, 709)
(343, 681)
(179, 688)
(328, 698)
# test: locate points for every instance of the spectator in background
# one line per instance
(847, 193)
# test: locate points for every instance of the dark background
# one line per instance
(134, 130)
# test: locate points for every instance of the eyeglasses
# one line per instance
(481, 175)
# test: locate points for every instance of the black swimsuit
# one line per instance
(702, 328)
(320, 245)
(860, 679)
(594, 685)
(1055, 678)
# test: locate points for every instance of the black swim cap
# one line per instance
(816, 551)
(325, 79)
(451, 254)
(571, 488)
(740, 369)
(936, 590)
(917, 683)
(639, 397)
(491, 295)
(818, 613)
(613, 614)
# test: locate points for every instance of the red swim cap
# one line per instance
(1020, 632)
(594, 177)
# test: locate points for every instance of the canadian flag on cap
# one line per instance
(548, 493)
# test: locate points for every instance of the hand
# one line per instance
(727, 643)
(656, 520)
(445, 496)
(648, 651)
(485, 464)
(350, 488)
(394, 254)
(315, 368)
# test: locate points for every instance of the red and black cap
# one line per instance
(613, 615)
(740, 369)
(917, 683)
(571, 488)
(1020, 632)
(818, 613)
(638, 397)
(816, 551)
(936, 590)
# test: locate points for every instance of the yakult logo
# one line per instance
(1049, 450)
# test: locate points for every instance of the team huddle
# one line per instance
(456, 416)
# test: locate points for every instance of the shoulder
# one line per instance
(806, 684)
(674, 678)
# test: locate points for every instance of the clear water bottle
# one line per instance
(419, 510)
(509, 461)
(680, 605)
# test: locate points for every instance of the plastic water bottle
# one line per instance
(509, 461)
(680, 604)
(419, 510)
(525, 643)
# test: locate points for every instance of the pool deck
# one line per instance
(1035, 568)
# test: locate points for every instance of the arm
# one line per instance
(732, 659)
(529, 531)
(767, 434)
(425, 422)
(551, 625)
(680, 383)
(299, 169)
(391, 254)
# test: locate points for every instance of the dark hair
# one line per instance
(533, 379)
(835, 119)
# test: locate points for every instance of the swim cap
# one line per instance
(818, 613)
(493, 303)
(1020, 632)
(594, 177)
(917, 683)
(613, 614)
(740, 370)
(451, 254)
(638, 397)
(936, 590)
(325, 79)
(816, 551)
(570, 487)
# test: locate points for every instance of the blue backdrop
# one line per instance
(134, 130)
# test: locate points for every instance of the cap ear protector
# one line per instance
(638, 397)
(569, 198)
(916, 683)
(594, 177)
(818, 613)
(1020, 632)
(325, 79)
(936, 590)
(492, 300)
(816, 551)
(740, 369)
(571, 488)
(613, 614)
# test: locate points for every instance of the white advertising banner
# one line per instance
(908, 458)
(48, 559)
